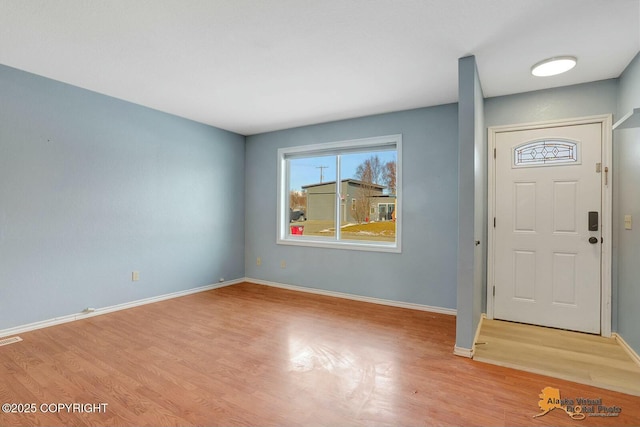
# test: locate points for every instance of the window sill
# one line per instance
(352, 245)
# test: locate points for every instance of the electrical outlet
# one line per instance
(259, 261)
(135, 276)
(283, 264)
(221, 279)
(628, 222)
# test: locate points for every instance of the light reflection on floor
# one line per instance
(362, 377)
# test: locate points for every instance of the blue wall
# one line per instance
(93, 188)
(626, 148)
(586, 99)
(425, 271)
(472, 203)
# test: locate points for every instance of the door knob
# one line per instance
(593, 240)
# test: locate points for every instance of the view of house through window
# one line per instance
(341, 193)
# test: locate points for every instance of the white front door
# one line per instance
(547, 255)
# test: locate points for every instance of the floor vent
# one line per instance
(11, 340)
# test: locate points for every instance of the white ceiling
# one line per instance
(252, 66)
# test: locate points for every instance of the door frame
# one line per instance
(606, 188)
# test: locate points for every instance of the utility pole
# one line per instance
(321, 175)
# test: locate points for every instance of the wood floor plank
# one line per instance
(584, 358)
(254, 355)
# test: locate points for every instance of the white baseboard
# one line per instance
(469, 352)
(627, 348)
(463, 352)
(412, 306)
(99, 311)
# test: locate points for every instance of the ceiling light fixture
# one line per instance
(553, 66)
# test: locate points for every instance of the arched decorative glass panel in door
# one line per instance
(546, 153)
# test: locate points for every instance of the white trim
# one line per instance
(99, 311)
(354, 245)
(463, 352)
(392, 303)
(634, 356)
(606, 121)
(629, 120)
(607, 227)
(105, 310)
(470, 352)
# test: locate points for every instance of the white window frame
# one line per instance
(336, 148)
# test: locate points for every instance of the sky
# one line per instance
(306, 171)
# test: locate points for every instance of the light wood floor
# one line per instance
(583, 358)
(253, 355)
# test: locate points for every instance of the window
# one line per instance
(343, 194)
(545, 153)
(385, 211)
